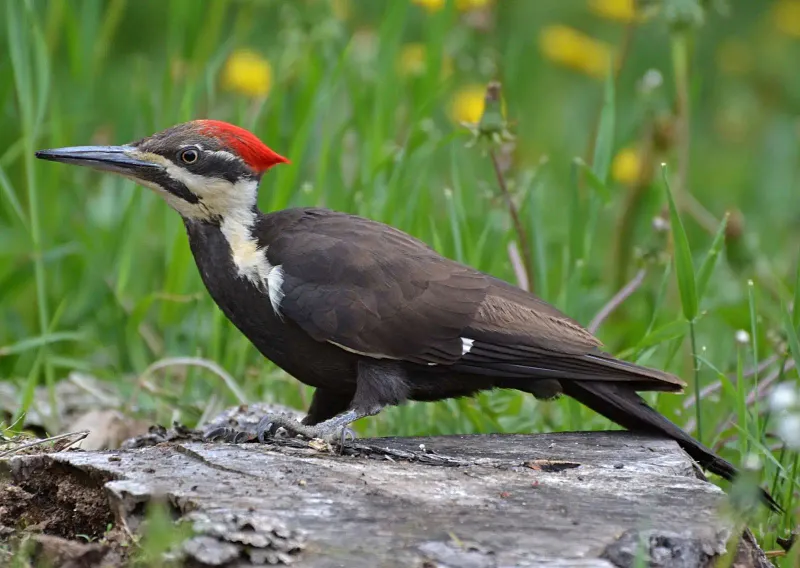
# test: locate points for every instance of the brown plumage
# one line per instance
(367, 314)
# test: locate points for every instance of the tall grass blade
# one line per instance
(8, 191)
(791, 337)
(39, 341)
(710, 261)
(796, 299)
(604, 145)
(684, 272)
(684, 268)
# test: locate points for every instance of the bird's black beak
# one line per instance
(119, 159)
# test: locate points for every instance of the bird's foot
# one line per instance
(332, 431)
(230, 435)
(272, 425)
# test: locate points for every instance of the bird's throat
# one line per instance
(249, 258)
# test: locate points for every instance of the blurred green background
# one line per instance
(368, 100)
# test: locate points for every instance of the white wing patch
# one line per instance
(466, 345)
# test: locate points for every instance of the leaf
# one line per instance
(594, 182)
(710, 261)
(8, 190)
(791, 336)
(684, 268)
(39, 341)
(667, 332)
(604, 144)
(796, 299)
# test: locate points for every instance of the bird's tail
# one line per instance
(630, 411)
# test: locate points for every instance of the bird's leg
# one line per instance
(328, 403)
(325, 404)
(378, 384)
(332, 430)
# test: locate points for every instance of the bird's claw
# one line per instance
(331, 432)
(268, 428)
(271, 425)
(227, 434)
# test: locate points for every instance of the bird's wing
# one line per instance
(374, 290)
(517, 335)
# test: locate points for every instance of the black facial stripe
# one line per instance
(211, 165)
(173, 141)
(175, 187)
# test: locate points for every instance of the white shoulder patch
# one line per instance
(466, 345)
(274, 285)
(251, 261)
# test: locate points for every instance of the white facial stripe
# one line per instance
(234, 204)
(218, 197)
(466, 345)
(224, 154)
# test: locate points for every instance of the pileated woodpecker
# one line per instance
(367, 314)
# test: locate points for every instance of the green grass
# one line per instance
(96, 274)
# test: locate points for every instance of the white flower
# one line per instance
(789, 430)
(742, 337)
(783, 397)
(651, 80)
(660, 225)
(751, 462)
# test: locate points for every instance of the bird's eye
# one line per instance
(189, 156)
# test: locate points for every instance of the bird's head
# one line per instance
(206, 170)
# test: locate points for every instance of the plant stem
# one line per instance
(634, 198)
(624, 53)
(680, 65)
(617, 300)
(696, 365)
(524, 244)
(754, 339)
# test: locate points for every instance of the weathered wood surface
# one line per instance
(552, 500)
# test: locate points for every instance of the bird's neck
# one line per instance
(239, 230)
(244, 237)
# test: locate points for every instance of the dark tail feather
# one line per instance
(630, 411)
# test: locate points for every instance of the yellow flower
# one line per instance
(626, 166)
(571, 48)
(734, 57)
(619, 10)
(468, 102)
(430, 5)
(467, 105)
(413, 61)
(248, 73)
(786, 16)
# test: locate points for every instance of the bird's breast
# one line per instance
(248, 300)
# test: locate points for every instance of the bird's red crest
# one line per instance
(253, 151)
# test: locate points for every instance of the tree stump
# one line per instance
(593, 499)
